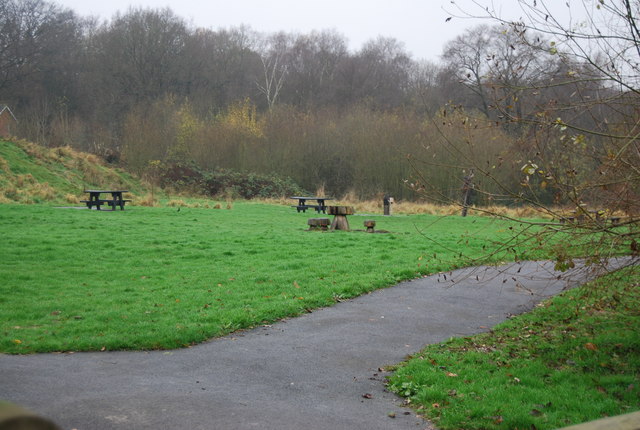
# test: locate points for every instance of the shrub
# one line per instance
(226, 183)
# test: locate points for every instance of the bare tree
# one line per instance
(275, 66)
(274, 74)
(578, 155)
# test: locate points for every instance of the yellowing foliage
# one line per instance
(241, 117)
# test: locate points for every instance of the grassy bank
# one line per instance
(149, 278)
(575, 358)
(31, 173)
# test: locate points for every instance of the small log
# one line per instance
(318, 223)
(370, 224)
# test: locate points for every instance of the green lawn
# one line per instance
(156, 278)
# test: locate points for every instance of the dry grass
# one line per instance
(176, 203)
(414, 208)
(148, 200)
(72, 199)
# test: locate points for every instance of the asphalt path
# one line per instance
(323, 370)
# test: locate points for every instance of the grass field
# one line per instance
(156, 278)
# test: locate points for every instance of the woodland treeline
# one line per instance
(148, 91)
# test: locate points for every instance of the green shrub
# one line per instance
(223, 182)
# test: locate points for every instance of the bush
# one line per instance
(223, 182)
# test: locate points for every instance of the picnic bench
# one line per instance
(582, 216)
(115, 200)
(303, 204)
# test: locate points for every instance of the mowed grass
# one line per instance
(159, 278)
(575, 358)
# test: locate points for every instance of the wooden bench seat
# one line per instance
(303, 208)
(109, 202)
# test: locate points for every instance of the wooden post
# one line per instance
(467, 189)
(386, 204)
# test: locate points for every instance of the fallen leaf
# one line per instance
(295, 284)
(435, 405)
(590, 346)
(452, 375)
(17, 341)
(391, 414)
(367, 396)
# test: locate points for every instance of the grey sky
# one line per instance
(419, 24)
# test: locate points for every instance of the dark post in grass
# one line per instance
(467, 192)
(386, 204)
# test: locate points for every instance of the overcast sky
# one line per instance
(419, 24)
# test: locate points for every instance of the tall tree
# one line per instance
(378, 72)
(139, 57)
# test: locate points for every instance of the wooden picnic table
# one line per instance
(302, 205)
(115, 200)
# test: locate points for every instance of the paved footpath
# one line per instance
(305, 373)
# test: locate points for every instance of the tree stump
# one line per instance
(318, 223)
(370, 224)
(340, 213)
